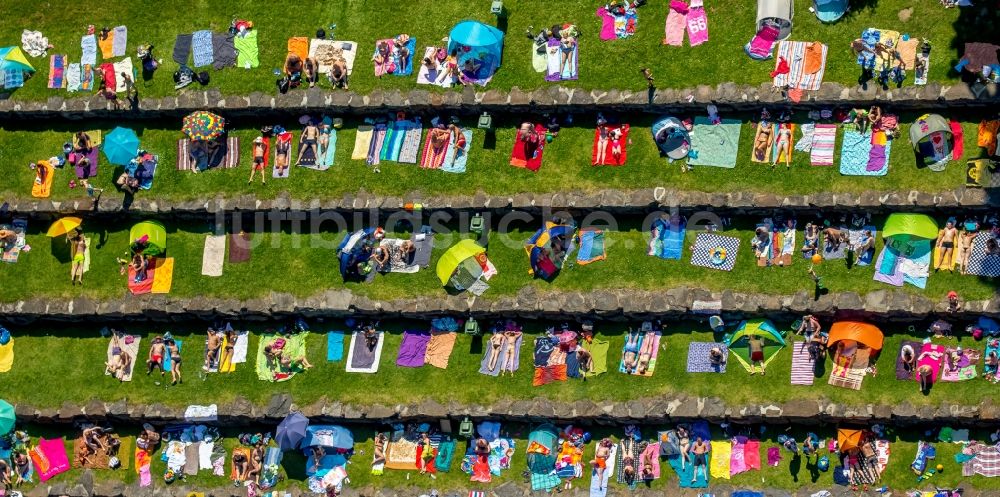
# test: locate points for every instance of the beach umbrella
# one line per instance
(203, 125)
(121, 146)
(291, 431)
(64, 225)
(6, 417)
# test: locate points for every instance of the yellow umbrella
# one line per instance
(64, 225)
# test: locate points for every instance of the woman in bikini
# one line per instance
(308, 140)
(762, 141)
(811, 243)
(426, 453)
(227, 351)
(965, 246)
(282, 150)
(83, 143)
(256, 464)
(646, 352)
(450, 72)
(946, 243)
(78, 247)
(566, 47)
(458, 138)
(496, 346)
(371, 338)
(784, 146)
(258, 161)
(603, 136)
(381, 57)
(684, 444)
(379, 454)
(175, 362)
(324, 142)
(510, 357)
(631, 351)
(628, 460)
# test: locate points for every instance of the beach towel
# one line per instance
(326, 52)
(413, 349)
(107, 45)
(652, 454)
(201, 48)
(335, 346)
(229, 159)
(402, 455)
(959, 139)
(607, 24)
(299, 46)
(625, 23)
(555, 70)
(860, 157)
(685, 473)
(519, 157)
(964, 368)
(591, 246)
(49, 458)
(654, 349)
(714, 144)
(7, 356)
(182, 49)
(437, 76)
(667, 241)
(982, 263)
(760, 46)
(73, 82)
(598, 357)
(625, 450)
(456, 158)
(295, 347)
(901, 372)
(213, 255)
(392, 145)
(120, 41)
(673, 30)
(88, 47)
(57, 71)
(698, 360)
(445, 453)
(722, 452)
(240, 349)
(223, 50)
(86, 77)
(751, 454)
(145, 172)
(621, 143)
(715, 251)
(501, 359)
(807, 64)
(433, 158)
(305, 157)
(985, 461)
(384, 65)
(359, 358)
(824, 139)
(373, 157)
(697, 26)
(599, 487)
(239, 247)
(168, 363)
(146, 285)
(163, 276)
(805, 142)
(920, 73)
(93, 157)
(247, 53)
(123, 66)
(362, 141)
(803, 367)
(848, 373)
(129, 349)
(393, 64)
(831, 251)
(539, 55)
(439, 348)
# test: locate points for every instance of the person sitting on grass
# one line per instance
(338, 73)
(810, 446)
(482, 448)
(22, 467)
(240, 467)
(585, 360)
(809, 326)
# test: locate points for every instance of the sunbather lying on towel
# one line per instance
(600, 462)
(646, 352)
(378, 457)
(762, 142)
(631, 351)
(605, 135)
(155, 360)
(120, 362)
(784, 146)
(496, 346)
(240, 466)
(259, 159)
(175, 362)
(308, 140)
(282, 151)
(510, 340)
(213, 345)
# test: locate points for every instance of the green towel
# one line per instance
(246, 50)
(446, 450)
(294, 345)
(599, 355)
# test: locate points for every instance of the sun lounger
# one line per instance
(362, 360)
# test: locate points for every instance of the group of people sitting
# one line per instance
(297, 70)
(99, 440)
(248, 468)
(833, 239)
(393, 57)
(17, 470)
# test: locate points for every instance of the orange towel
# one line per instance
(814, 58)
(908, 52)
(163, 277)
(987, 136)
(299, 46)
(44, 173)
(107, 45)
(233, 475)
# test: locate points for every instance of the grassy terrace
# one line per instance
(719, 60)
(304, 265)
(567, 165)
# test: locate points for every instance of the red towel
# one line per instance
(517, 156)
(144, 286)
(108, 70)
(956, 131)
(609, 158)
(751, 454)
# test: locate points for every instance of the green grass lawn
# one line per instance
(566, 166)
(719, 60)
(305, 265)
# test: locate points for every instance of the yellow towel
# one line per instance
(227, 366)
(163, 277)
(722, 452)
(107, 45)
(7, 356)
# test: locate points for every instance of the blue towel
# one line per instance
(335, 346)
(331, 151)
(168, 362)
(411, 46)
(120, 41)
(453, 164)
(201, 47)
(684, 474)
(88, 44)
(888, 265)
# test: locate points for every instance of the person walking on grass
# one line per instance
(78, 249)
(175, 362)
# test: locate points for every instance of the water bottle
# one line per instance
(882, 490)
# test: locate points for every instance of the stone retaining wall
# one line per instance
(610, 200)
(615, 305)
(728, 97)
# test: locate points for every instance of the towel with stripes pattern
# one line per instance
(802, 364)
(800, 59)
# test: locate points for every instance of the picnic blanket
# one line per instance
(129, 349)
(803, 367)
(295, 347)
(201, 48)
(57, 71)
(609, 158)
(239, 247)
(437, 75)
(896, 268)
(213, 255)
(722, 453)
(484, 366)
(982, 263)
(715, 251)
(247, 53)
(229, 155)
(182, 49)
(439, 348)
(864, 154)
(714, 144)
(223, 50)
(591, 246)
(806, 61)
(413, 349)
(359, 358)
(698, 360)
(335, 346)
(555, 70)
(848, 373)
(326, 52)
(434, 158)
(88, 48)
(654, 353)
(519, 156)
(964, 367)
(823, 142)
(456, 158)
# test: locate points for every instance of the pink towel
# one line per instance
(652, 453)
(145, 478)
(956, 131)
(674, 29)
(751, 454)
(773, 456)
(697, 26)
(934, 359)
(737, 463)
(607, 24)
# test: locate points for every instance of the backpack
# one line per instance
(4, 336)
(203, 78)
(283, 85)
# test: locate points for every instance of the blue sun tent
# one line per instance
(830, 10)
(549, 248)
(354, 252)
(481, 43)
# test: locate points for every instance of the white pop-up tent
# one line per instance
(777, 13)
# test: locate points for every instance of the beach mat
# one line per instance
(335, 346)
(362, 141)
(413, 349)
(803, 367)
(213, 255)
(359, 358)
(182, 49)
(705, 247)
(456, 159)
(247, 53)
(850, 376)
(239, 247)
(88, 50)
(698, 360)
(230, 160)
(439, 348)
(598, 356)
(823, 145)
(716, 145)
(223, 50)
(901, 372)
(7, 356)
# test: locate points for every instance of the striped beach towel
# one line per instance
(375, 147)
(231, 160)
(824, 141)
(57, 70)
(801, 58)
(433, 159)
(802, 364)
(850, 374)
(411, 144)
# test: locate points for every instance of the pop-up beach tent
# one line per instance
(933, 141)
(777, 13)
(738, 342)
(481, 42)
(154, 235)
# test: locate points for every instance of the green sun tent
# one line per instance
(910, 226)
(909, 246)
(154, 234)
(738, 342)
(13, 66)
(465, 266)
(542, 449)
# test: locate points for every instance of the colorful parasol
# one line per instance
(203, 125)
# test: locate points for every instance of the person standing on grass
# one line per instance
(78, 249)
(175, 360)
(756, 346)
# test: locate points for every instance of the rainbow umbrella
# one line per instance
(203, 125)
(63, 226)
